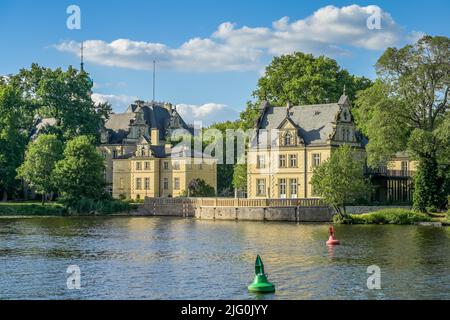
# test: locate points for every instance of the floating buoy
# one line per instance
(260, 284)
(332, 241)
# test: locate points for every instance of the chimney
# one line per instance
(154, 136)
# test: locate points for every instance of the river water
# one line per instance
(171, 258)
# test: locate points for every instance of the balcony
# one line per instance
(383, 172)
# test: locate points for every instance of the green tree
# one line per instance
(15, 122)
(304, 79)
(340, 179)
(199, 188)
(40, 159)
(64, 96)
(408, 110)
(240, 177)
(79, 175)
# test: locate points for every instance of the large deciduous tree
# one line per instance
(304, 79)
(79, 175)
(408, 110)
(40, 159)
(64, 96)
(16, 118)
(340, 179)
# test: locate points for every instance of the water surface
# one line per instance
(171, 258)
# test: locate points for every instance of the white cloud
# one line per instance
(118, 102)
(329, 30)
(207, 113)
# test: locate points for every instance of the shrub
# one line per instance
(107, 206)
(385, 216)
(26, 208)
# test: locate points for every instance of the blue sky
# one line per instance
(210, 53)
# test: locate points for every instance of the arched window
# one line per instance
(287, 139)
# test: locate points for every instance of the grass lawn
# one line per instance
(31, 209)
(386, 216)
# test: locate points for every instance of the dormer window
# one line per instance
(287, 140)
(345, 115)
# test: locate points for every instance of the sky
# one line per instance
(209, 54)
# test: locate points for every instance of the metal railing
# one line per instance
(389, 173)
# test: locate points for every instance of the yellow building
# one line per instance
(291, 141)
(138, 160)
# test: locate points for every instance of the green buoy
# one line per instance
(260, 284)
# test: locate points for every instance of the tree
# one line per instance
(408, 110)
(199, 188)
(40, 159)
(340, 179)
(79, 175)
(304, 79)
(15, 121)
(240, 176)
(64, 96)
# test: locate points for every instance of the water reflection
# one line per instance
(164, 258)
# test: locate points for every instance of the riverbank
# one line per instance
(392, 216)
(32, 208)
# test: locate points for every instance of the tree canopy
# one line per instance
(408, 110)
(340, 179)
(40, 159)
(301, 78)
(80, 173)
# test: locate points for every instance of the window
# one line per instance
(138, 183)
(166, 184)
(293, 183)
(316, 159)
(147, 184)
(147, 165)
(404, 167)
(176, 165)
(142, 152)
(114, 154)
(282, 187)
(293, 160)
(176, 184)
(287, 139)
(166, 165)
(260, 187)
(138, 166)
(282, 162)
(261, 162)
(348, 135)
(121, 183)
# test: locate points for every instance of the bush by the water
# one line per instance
(106, 206)
(31, 209)
(385, 216)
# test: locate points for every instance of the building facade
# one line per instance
(291, 141)
(139, 160)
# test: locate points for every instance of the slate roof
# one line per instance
(315, 122)
(155, 114)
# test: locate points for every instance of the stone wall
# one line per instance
(292, 214)
(281, 213)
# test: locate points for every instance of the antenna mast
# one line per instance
(82, 58)
(154, 77)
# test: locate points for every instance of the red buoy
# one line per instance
(332, 241)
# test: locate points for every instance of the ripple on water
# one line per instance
(165, 258)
